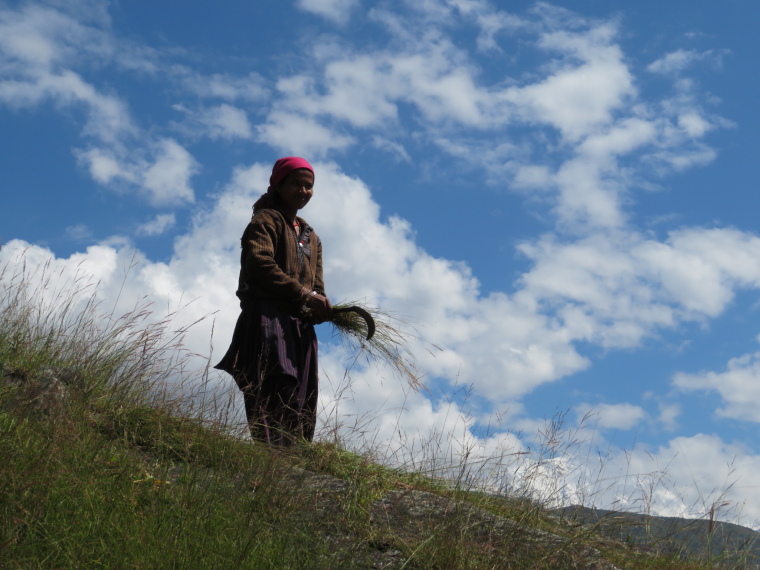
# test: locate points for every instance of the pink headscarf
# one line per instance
(280, 170)
(285, 166)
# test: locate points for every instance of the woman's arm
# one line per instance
(260, 268)
(318, 301)
(319, 282)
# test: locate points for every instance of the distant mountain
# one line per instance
(723, 542)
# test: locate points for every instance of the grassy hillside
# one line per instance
(99, 468)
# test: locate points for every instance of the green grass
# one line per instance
(117, 475)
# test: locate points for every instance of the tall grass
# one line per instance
(49, 319)
(119, 474)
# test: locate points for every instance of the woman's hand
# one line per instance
(319, 306)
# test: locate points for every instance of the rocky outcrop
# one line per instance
(44, 391)
(403, 519)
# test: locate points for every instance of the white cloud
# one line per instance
(227, 122)
(686, 478)
(79, 232)
(37, 36)
(161, 173)
(391, 147)
(578, 98)
(363, 90)
(677, 61)
(489, 19)
(597, 288)
(251, 87)
(587, 197)
(620, 138)
(738, 386)
(669, 414)
(356, 92)
(612, 416)
(104, 168)
(441, 296)
(108, 118)
(617, 288)
(157, 225)
(585, 92)
(531, 177)
(220, 122)
(296, 134)
(701, 268)
(338, 11)
(502, 342)
(694, 125)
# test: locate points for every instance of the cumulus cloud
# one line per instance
(202, 272)
(669, 414)
(441, 296)
(612, 416)
(738, 386)
(43, 37)
(490, 21)
(160, 172)
(577, 98)
(391, 147)
(679, 60)
(220, 122)
(108, 117)
(338, 11)
(227, 87)
(686, 477)
(699, 476)
(79, 232)
(301, 135)
(157, 225)
(620, 287)
(167, 179)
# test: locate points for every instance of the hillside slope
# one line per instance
(98, 468)
(91, 482)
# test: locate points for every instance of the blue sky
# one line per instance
(558, 195)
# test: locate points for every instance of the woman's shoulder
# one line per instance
(267, 216)
(264, 221)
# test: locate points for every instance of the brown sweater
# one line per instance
(269, 263)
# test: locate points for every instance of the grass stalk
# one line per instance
(391, 343)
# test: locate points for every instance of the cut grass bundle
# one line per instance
(386, 339)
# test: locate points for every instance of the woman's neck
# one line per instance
(290, 215)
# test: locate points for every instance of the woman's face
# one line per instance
(296, 189)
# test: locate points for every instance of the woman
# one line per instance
(273, 355)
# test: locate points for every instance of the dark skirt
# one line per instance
(273, 359)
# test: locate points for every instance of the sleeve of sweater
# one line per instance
(319, 282)
(260, 268)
